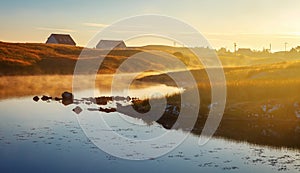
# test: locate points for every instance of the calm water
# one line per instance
(47, 137)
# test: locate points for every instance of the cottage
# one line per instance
(110, 44)
(61, 39)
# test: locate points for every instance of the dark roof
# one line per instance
(111, 44)
(63, 39)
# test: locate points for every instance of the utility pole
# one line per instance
(234, 48)
(270, 47)
(285, 46)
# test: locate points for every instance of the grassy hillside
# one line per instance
(24, 59)
(38, 58)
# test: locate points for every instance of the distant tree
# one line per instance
(222, 50)
(297, 48)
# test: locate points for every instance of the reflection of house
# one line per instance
(60, 39)
(110, 44)
(244, 51)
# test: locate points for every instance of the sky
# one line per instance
(249, 23)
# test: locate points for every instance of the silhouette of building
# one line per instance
(110, 44)
(60, 39)
(244, 51)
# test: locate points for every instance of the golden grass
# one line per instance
(41, 59)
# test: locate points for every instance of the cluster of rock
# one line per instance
(66, 98)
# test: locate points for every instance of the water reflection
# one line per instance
(30, 141)
(262, 128)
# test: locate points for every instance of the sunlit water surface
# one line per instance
(46, 137)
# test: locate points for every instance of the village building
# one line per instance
(60, 39)
(110, 44)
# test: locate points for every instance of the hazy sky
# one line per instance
(249, 23)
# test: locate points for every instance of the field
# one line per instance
(41, 59)
(51, 59)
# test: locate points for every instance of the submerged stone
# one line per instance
(77, 110)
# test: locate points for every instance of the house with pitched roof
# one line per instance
(60, 39)
(110, 44)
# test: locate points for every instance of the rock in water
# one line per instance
(46, 98)
(36, 98)
(77, 110)
(67, 98)
(67, 95)
(107, 110)
(57, 99)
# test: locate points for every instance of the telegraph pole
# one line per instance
(285, 46)
(234, 48)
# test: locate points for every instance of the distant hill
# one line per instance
(39, 58)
